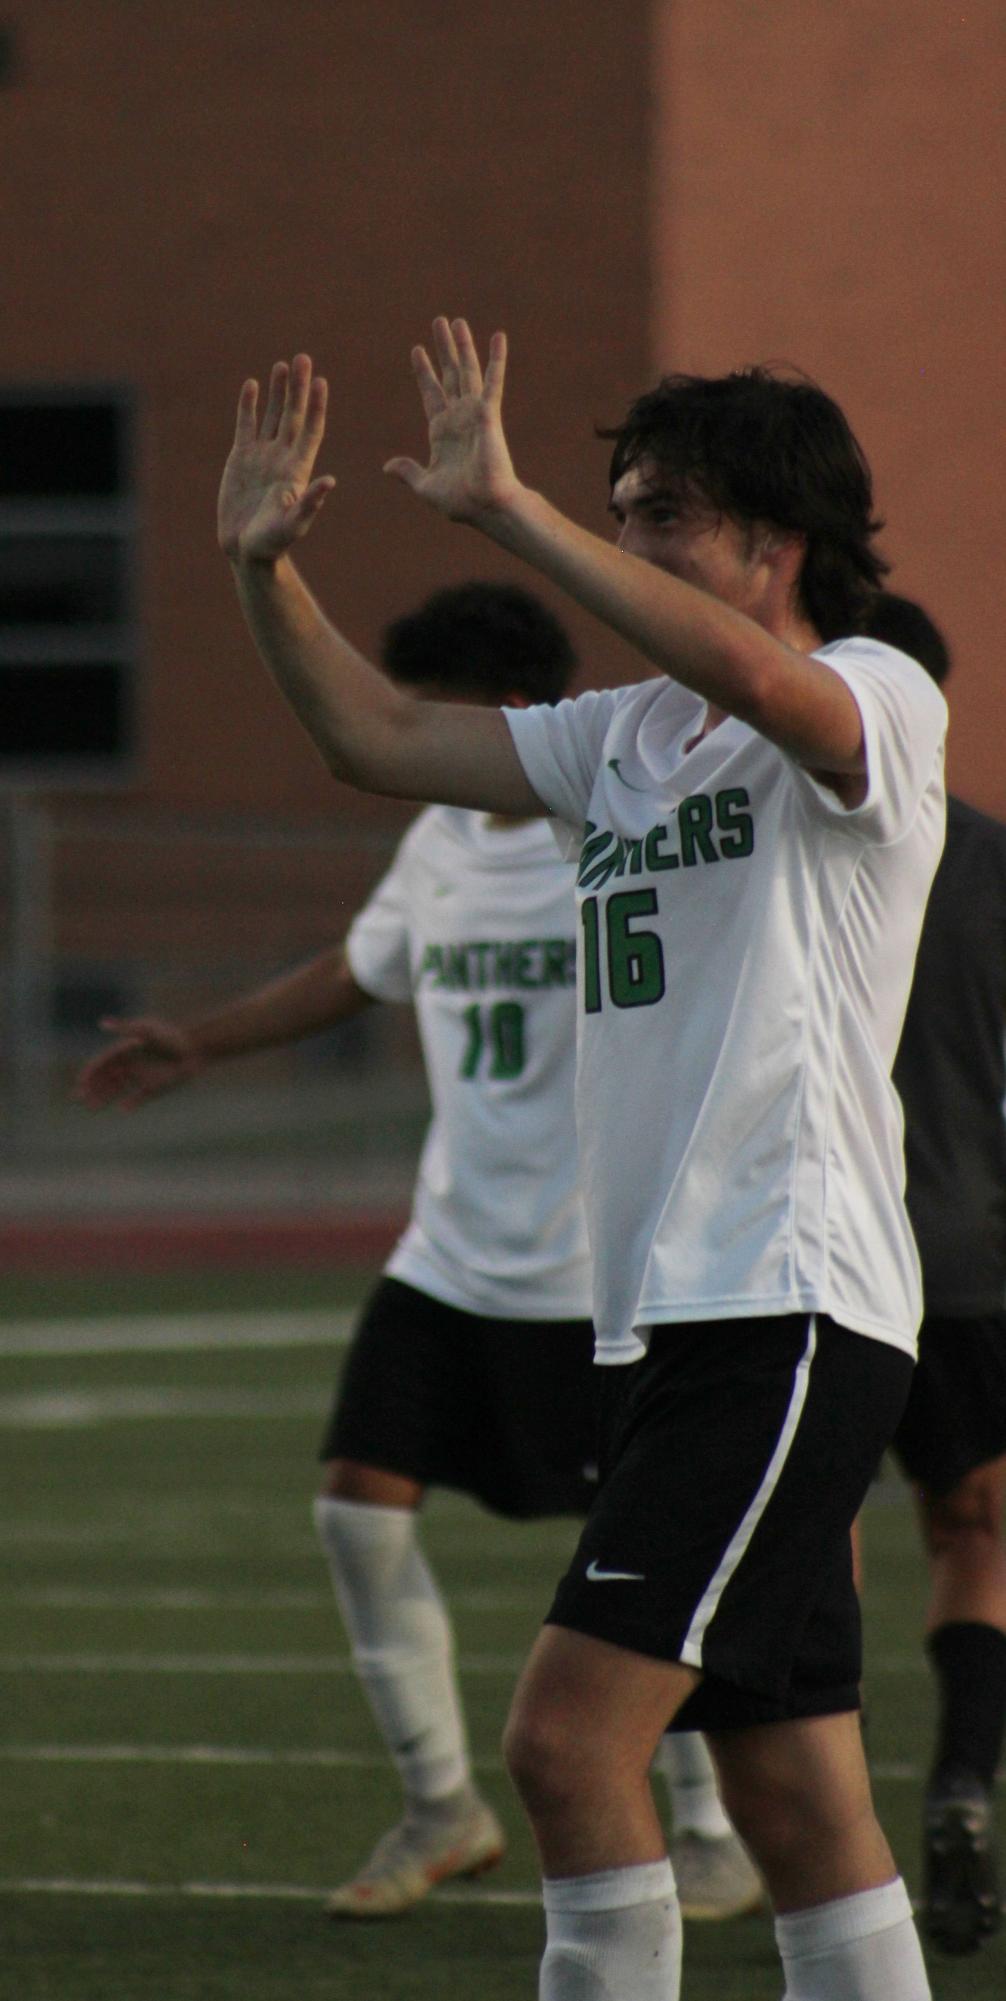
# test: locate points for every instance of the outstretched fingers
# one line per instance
(246, 428)
(430, 392)
(495, 369)
(468, 363)
(275, 401)
(447, 356)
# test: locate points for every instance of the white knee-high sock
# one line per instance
(615, 1936)
(401, 1640)
(860, 1948)
(696, 1808)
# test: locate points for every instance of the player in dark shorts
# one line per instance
(757, 825)
(471, 1367)
(951, 1076)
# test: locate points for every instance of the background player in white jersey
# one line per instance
(471, 1365)
(951, 1076)
(758, 830)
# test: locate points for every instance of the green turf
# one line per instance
(142, 1552)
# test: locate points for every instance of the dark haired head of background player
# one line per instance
(951, 1442)
(902, 623)
(761, 448)
(485, 640)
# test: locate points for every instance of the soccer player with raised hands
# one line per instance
(757, 823)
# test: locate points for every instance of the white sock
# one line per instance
(696, 1808)
(400, 1634)
(612, 1937)
(860, 1948)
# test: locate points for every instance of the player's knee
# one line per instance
(540, 1755)
(973, 1509)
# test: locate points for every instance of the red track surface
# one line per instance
(169, 1243)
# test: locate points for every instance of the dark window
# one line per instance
(67, 569)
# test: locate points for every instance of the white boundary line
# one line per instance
(265, 1664)
(891, 1771)
(72, 1598)
(164, 1333)
(203, 1754)
(69, 1886)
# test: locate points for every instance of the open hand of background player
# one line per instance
(470, 473)
(149, 1057)
(268, 499)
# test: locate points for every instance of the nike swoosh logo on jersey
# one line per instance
(597, 1576)
(613, 764)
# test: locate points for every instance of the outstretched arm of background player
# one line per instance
(151, 1056)
(368, 732)
(796, 701)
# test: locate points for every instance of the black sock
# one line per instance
(970, 1664)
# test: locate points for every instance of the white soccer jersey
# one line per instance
(475, 923)
(746, 950)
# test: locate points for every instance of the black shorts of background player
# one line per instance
(497, 1407)
(951, 1075)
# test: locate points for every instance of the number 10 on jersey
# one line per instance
(497, 1033)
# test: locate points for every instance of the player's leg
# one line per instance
(584, 1725)
(951, 1443)
(714, 1873)
(378, 1444)
(966, 1643)
(736, 1559)
(403, 1650)
(799, 1793)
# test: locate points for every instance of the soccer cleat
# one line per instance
(960, 1906)
(715, 1875)
(412, 1858)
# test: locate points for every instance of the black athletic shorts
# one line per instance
(505, 1410)
(955, 1417)
(735, 1456)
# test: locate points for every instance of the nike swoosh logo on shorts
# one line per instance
(597, 1576)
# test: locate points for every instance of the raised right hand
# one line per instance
(150, 1057)
(268, 498)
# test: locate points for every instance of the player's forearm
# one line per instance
(684, 632)
(305, 1002)
(346, 706)
(369, 733)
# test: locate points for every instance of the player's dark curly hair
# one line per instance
(903, 623)
(489, 640)
(760, 446)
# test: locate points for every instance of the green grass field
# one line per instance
(186, 1762)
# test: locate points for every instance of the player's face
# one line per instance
(702, 548)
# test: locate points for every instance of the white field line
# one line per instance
(62, 1410)
(166, 1333)
(70, 1886)
(70, 1598)
(890, 1771)
(203, 1754)
(264, 1664)
(294, 1664)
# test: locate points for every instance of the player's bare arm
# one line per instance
(150, 1055)
(735, 663)
(368, 732)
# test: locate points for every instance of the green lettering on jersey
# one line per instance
(652, 846)
(432, 966)
(736, 827)
(695, 819)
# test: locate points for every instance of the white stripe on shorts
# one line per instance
(691, 1652)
